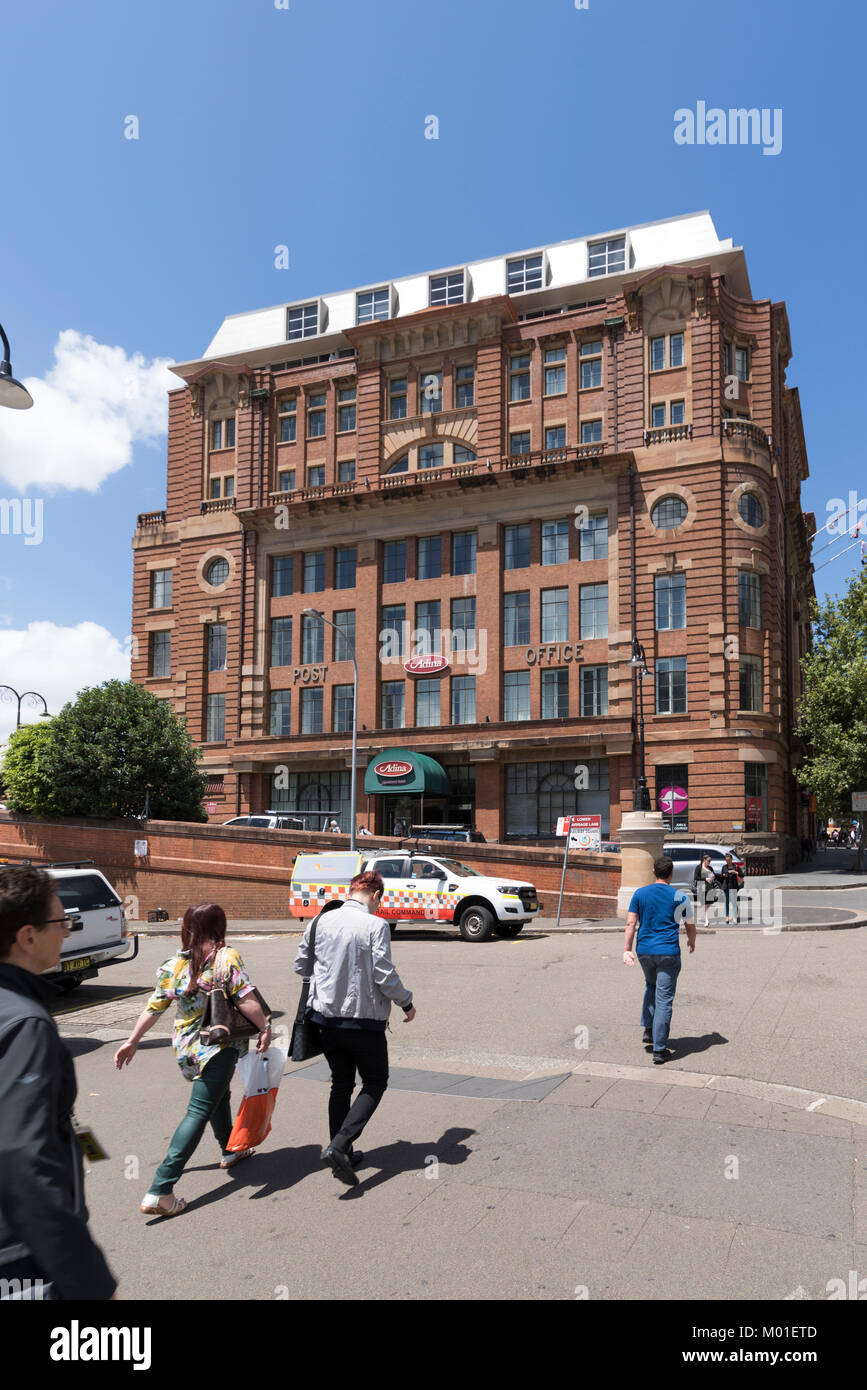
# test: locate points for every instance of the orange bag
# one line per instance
(260, 1073)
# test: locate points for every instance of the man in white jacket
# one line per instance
(353, 985)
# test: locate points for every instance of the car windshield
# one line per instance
(454, 866)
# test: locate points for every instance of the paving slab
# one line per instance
(580, 1090)
(738, 1110)
(632, 1095)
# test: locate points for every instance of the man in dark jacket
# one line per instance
(43, 1218)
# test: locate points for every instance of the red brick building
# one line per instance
(522, 466)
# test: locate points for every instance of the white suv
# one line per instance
(98, 933)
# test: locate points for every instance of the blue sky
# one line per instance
(305, 126)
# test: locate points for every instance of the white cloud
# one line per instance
(56, 662)
(88, 411)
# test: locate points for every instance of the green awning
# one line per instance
(397, 771)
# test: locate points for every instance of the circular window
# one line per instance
(750, 509)
(217, 572)
(668, 513)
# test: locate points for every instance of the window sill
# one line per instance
(158, 611)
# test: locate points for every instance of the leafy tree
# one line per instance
(104, 748)
(832, 717)
(28, 788)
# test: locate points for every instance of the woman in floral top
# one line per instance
(185, 978)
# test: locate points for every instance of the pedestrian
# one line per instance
(46, 1249)
(705, 885)
(399, 829)
(363, 830)
(731, 881)
(334, 828)
(203, 960)
(353, 985)
(657, 911)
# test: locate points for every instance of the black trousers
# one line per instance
(348, 1050)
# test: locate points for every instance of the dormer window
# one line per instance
(606, 257)
(447, 289)
(524, 273)
(302, 321)
(372, 305)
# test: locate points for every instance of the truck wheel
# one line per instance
(508, 928)
(476, 924)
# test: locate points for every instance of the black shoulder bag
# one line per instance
(305, 1034)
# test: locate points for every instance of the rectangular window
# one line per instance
(397, 398)
(594, 691)
(465, 386)
(591, 365)
(215, 719)
(287, 415)
(756, 796)
(344, 567)
(427, 704)
(516, 695)
(519, 443)
(216, 646)
(428, 633)
(302, 321)
(281, 712)
(657, 354)
(555, 615)
(594, 610)
(311, 710)
(463, 699)
(281, 641)
(229, 486)
(516, 619)
(537, 793)
(430, 456)
(524, 273)
(464, 552)
(594, 537)
(346, 471)
(345, 409)
(393, 712)
(316, 415)
(555, 694)
(727, 359)
(391, 636)
(430, 389)
(282, 575)
(447, 289)
(161, 654)
(591, 432)
(216, 434)
(555, 437)
(555, 371)
(430, 557)
(671, 685)
(657, 416)
(519, 378)
(463, 624)
(749, 598)
(751, 683)
(394, 562)
(287, 480)
(341, 709)
(215, 488)
(161, 588)
(312, 640)
(675, 350)
(344, 637)
(314, 571)
(371, 305)
(606, 257)
(516, 549)
(223, 434)
(555, 542)
(670, 601)
(678, 412)
(742, 363)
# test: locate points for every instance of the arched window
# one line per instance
(400, 465)
(668, 513)
(555, 798)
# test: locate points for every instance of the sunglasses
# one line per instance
(50, 921)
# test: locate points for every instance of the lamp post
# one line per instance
(12, 393)
(638, 662)
(31, 695)
(315, 613)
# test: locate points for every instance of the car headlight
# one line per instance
(509, 891)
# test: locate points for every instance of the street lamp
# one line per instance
(315, 613)
(30, 695)
(12, 393)
(638, 662)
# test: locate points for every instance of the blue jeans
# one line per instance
(660, 974)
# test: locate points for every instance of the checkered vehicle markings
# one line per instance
(306, 899)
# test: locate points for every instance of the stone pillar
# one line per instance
(641, 839)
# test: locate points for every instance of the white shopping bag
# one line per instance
(261, 1071)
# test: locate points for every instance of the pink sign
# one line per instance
(672, 800)
(425, 665)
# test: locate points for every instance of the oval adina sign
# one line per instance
(425, 665)
(393, 769)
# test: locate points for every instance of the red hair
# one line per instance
(370, 882)
(204, 927)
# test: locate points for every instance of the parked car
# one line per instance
(464, 833)
(686, 859)
(97, 924)
(418, 888)
(282, 820)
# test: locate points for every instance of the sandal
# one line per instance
(231, 1159)
(154, 1208)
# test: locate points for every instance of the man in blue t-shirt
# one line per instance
(658, 911)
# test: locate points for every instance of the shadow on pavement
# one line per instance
(404, 1157)
(684, 1047)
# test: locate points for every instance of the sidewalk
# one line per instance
(834, 868)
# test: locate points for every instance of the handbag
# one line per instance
(222, 1020)
(306, 1042)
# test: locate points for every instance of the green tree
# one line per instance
(832, 716)
(104, 748)
(28, 788)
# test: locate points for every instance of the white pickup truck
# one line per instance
(97, 922)
(421, 887)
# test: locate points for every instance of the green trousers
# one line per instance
(209, 1101)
